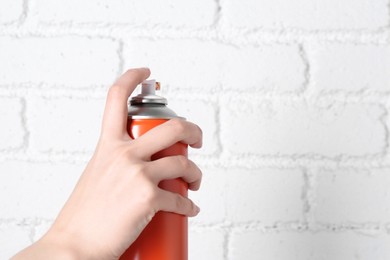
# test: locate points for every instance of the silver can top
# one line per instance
(148, 94)
(148, 105)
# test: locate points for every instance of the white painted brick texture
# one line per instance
(168, 13)
(265, 195)
(278, 127)
(38, 190)
(293, 98)
(348, 67)
(66, 61)
(207, 245)
(214, 188)
(348, 195)
(10, 11)
(12, 131)
(254, 245)
(64, 124)
(13, 237)
(307, 14)
(206, 65)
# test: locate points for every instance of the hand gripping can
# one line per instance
(166, 236)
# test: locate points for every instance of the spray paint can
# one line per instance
(166, 236)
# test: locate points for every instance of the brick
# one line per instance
(64, 124)
(348, 195)
(13, 238)
(307, 246)
(285, 128)
(168, 13)
(306, 14)
(349, 67)
(12, 131)
(203, 114)
(70, 61)
(211, 198)
(265, 195)
(35, 190)
(10, 10)
(205, 65)
(206, 245)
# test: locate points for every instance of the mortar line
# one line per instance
(237, 36)
(306, 207)
(32, 233)
(218, 14)
(119, 52)
(218, 127)
(388, 14)
(384, 119)
(25, 11)
(311, 175)
(306, 71)
(207, 161)
(243, 227)
(99, 91)
(23, 116)
(226, 244)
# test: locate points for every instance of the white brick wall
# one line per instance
(35, 190)
(349, 67)
(205, 65)
(307, 14)
(49, 117)
(214, 183)
(57, 58)
(368, 200)
(206, 244)
(10, 10)
(12, 131)
(279, 127)
(264, 195)
(293, 98)
(168, 13)
(14, 236)
(283, 245)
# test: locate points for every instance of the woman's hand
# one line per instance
(118, 194)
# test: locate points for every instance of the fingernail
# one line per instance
(197, 209)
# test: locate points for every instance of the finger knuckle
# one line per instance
(178, 125)
(183, 162)
(121, 152)
(200, 174)
(131, 151)
(180, 202)
(191, 206)
(130, 71)
(148, 193)
(114, 92)
(140, 170)
(200, 131)
(143, 181)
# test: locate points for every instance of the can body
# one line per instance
(166, 236)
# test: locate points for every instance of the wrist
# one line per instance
(60, 244)
(49, 247)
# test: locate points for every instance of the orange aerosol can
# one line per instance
(166, 236)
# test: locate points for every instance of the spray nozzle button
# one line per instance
(150, 86)
(148, 94)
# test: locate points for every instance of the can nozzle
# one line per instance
(148, 94)
(149, 87)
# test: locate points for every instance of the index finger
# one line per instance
(167, 134)
(115, 113)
